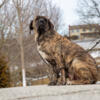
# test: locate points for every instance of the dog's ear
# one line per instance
(31, 26)
(51, 26)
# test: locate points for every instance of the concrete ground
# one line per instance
(44, 92)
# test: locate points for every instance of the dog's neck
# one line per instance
(46, 36)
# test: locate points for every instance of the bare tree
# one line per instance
(3, 2)
(18, 5)
(89, 13)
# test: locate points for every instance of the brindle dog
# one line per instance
(65, 57)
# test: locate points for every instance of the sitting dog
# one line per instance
(64, 56)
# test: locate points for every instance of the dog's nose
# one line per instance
(41, 21)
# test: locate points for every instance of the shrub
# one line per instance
(4, 72)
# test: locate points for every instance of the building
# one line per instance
(84, 31)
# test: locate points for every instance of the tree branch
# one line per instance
(2, 3)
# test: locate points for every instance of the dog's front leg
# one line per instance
(62, 77)
(54, 77)
(61, 70)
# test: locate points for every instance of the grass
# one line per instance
(41, 81)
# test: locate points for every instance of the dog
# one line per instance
(69, 61)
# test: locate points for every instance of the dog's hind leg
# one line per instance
(82, 73)
(82, 76)
(63, 79)
(79, 82)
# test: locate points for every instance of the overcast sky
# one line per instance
(69, 10)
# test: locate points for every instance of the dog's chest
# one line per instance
(43, 54)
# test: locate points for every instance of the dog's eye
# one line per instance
(41, 20)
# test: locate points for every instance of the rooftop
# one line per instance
(87, 26)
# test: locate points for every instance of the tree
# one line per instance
(19, 12)
(3, 2)
(89, 11)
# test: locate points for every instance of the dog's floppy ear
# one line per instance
(51, 26)
(31, 26)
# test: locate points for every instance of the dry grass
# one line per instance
(41, 81)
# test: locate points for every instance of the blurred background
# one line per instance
(20, 64)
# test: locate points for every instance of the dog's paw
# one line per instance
(61, 83)
(69, 82)
(52, 83)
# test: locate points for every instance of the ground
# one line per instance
(44, 92)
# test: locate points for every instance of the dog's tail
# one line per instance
(31, 26)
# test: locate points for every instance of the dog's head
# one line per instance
(41, 24)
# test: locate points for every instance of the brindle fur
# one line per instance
(65, 57)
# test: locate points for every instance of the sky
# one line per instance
(69, 10)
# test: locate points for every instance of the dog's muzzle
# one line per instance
(41, 26)
(41, 23)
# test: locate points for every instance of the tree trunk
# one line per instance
(22, 49)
